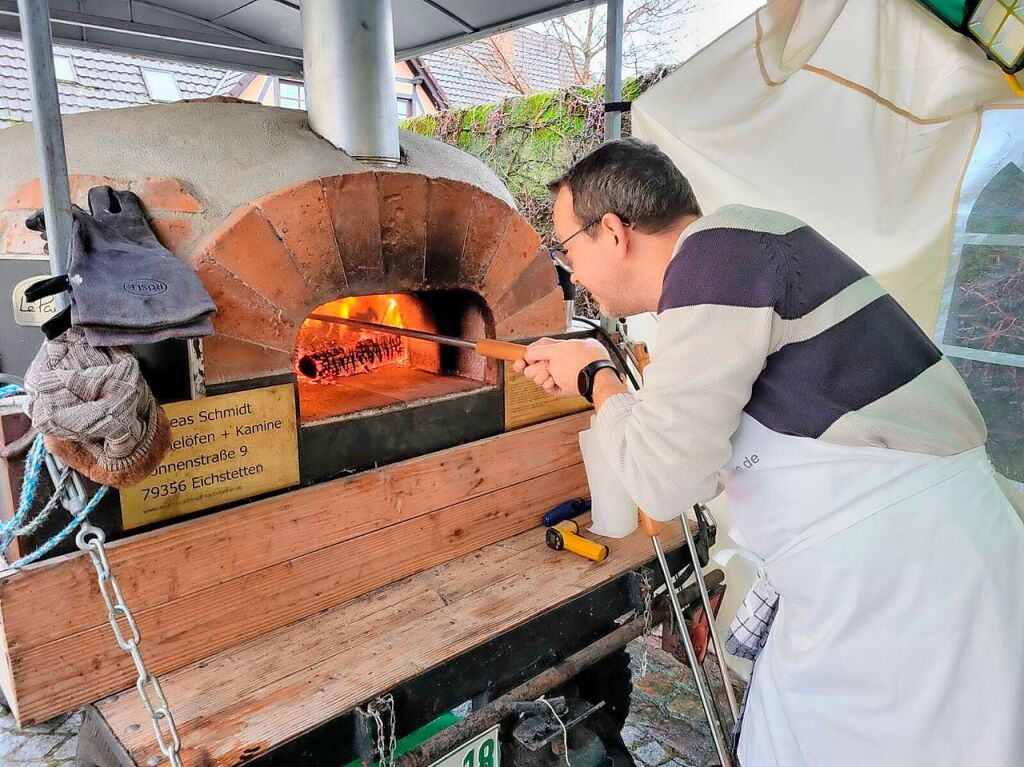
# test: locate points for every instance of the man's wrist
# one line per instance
(606, 384)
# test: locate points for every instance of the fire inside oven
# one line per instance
(327, 352)
(342, 370)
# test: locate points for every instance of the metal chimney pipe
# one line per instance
(348, 51)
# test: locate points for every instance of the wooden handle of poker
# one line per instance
(643, 356)
(500, 350)
(651, 527)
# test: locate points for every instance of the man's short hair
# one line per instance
(632, 179)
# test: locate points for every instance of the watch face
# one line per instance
(582, 383)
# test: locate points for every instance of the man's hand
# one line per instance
(555, 365)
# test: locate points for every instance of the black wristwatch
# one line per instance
(585, 380)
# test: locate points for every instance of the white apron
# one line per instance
(899, 637)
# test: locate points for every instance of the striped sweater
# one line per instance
(760, 314)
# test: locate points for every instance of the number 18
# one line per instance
(486, 755)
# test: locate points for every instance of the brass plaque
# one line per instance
(527, 404)
(223, 449)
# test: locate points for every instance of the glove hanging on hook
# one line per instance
(125, 287)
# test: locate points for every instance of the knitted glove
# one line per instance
(96, 411)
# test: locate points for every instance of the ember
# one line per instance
(327, 351)
(361, 357)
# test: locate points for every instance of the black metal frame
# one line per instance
(481, 674)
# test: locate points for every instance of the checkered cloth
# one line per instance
(748, 632)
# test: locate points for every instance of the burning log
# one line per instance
(366, 354)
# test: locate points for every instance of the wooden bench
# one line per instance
(241, 703)
(212, 583)
(270, 620)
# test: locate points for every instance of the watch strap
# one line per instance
(589, 375)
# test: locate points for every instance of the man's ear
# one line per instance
(616, 228)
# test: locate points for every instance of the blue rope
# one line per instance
(29, 489)
(10, 390)
(55, 540)
(50, 507)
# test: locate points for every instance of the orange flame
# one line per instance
(382, 309)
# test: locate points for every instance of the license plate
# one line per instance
(482, 751)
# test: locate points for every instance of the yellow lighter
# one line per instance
(565, 535)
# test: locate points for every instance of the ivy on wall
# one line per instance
(530, 140)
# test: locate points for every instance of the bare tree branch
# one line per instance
(503, 70)
(649, 31)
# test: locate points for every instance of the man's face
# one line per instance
(596, 259)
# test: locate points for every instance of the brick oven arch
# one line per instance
(274, 260)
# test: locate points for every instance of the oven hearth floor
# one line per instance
(382, 388)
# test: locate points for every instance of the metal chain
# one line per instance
(377, 708)
(647, 590)
(91, 539)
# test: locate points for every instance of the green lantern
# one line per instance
(995, 25)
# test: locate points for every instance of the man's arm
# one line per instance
(669, 441)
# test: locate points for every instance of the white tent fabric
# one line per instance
(882, 128)
(858, 117)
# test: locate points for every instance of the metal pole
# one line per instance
(613, 69)
(348, 50)
(699, 680)
(716, 639)
(53, 164)
(613, 92)
(408, 332)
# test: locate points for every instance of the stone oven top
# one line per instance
(227, 153)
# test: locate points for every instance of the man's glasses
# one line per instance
(560, 254)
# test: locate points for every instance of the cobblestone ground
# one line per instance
(42, 745)
(666, 726)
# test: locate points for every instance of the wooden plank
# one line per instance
(11, 428)
(166, 564)
(6, 680)
(253, 696)
(76, 669)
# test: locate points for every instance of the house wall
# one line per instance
(404, 73)
(265, 89)
(254, 89)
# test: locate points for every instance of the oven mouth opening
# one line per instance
(344, 370)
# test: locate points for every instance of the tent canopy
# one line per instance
(266, 35)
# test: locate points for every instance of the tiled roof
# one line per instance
(462, 72)
(108, 80)
(104, 80)
(231, 84)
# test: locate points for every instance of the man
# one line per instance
(850, 452)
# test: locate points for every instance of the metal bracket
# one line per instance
(196, 368)
(538, 730)
(364, 735)
(618, 106)
(635, 586)
(539, 706)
